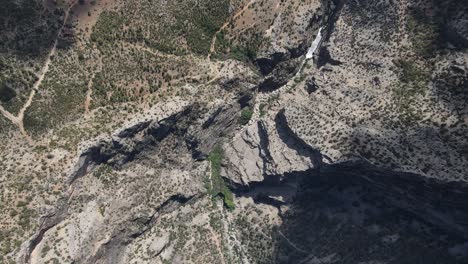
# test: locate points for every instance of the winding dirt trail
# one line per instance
(18, 120)
(225, 25)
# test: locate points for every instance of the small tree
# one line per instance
(246, 115)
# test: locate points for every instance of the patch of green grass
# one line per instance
(219, 187)
(102, 210)
(215, 158)
(228, 198)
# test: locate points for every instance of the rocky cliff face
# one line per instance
(357, 155)
(379, 138)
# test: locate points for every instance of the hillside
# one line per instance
(233, 131)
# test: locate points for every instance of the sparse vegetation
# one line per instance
(424, 33)
(105, 173)
(207, 18)
(413, 83)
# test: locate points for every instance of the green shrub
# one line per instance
(262, 109)
(228, 198)
(219, 187)
(246, 115)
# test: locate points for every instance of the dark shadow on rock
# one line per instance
(451, 86)
(266, 64)
(294, 142)
(311, 86)
(451, 18)
(357, 213)
(279, 76)
(324, 58)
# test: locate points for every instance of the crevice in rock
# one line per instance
(112, 249)
(272, 83)
(133, 130)
(264, 143)
(212, 119)
(178, 199)
(48, 222)
(333, 12)
(157, 254)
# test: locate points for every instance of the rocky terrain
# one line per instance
(234, 131)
